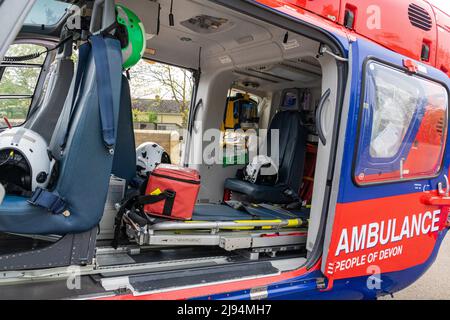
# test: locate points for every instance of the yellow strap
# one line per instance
(156, 192)
(291, 223)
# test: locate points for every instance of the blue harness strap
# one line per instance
(48, 200)
(104, 89)
(41, 197)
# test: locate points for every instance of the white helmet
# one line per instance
(25, 162)
(149, 155)
(261, 170)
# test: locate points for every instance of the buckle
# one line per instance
(35, 196)
(48, 200)
(170, 193)
(58, 206)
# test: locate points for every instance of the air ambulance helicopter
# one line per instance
(351, 202)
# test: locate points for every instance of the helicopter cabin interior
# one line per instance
(248, 74)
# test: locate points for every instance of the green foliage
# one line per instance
(20, 81)
(164, 82)
(23, 49)
(152, 117)
(144, 116)
(15, 109)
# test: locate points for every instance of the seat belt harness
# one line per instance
(104, 89)
(48, 200)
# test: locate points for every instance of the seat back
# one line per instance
(292, 147)
(58, 84)
(86, 164)
(124, 164)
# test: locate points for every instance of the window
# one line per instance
(403, 126)
(46, 12)
(18, 82)
(161, 98)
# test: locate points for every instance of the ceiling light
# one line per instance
(205, 24)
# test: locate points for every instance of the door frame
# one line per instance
(337, 44)
(353, 105)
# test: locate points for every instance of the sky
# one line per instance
(46, 12)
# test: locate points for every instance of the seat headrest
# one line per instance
(290, 100)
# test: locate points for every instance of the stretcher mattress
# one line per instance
(222, 212)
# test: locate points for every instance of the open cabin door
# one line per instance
(392, 199)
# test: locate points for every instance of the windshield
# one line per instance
(46, 12)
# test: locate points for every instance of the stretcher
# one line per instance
(255, 228)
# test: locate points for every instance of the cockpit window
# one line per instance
(46, 12)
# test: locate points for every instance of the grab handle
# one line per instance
(103, 15)
(322, 101)
(194, 114)
(2, 193)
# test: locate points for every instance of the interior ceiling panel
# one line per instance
(185, 41)
(235, 33)
(287, 73)
(224, 37)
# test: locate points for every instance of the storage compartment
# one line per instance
(171, 192)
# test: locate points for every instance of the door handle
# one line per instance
(2, 193)
(194, 115)
(322, 101)
(441, 190)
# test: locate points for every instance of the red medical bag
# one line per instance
(172, 192)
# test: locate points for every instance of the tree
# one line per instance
(165, 81)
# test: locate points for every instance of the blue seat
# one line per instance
(85, 164)
(292, 149)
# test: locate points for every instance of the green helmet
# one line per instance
(132, 36)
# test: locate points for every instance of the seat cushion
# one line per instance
(259, 193)
(17, 215)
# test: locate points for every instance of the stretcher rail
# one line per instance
(218, 225)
